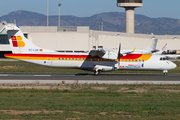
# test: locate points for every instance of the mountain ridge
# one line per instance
(112, 21)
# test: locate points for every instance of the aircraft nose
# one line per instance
(174, 65)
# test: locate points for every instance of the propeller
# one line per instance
(119, 51)
(119, 54)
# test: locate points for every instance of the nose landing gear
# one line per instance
(165, 72)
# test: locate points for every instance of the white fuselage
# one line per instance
(86, 62)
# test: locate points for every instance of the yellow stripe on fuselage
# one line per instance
(145, 57)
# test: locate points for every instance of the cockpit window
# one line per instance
(164, 58)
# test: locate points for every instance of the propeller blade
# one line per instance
(119, 51)
(119, 54)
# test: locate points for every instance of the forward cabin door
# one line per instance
(80, 60)
(49, 61)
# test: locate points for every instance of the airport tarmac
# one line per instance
(90, 78)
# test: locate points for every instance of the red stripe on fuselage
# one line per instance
(45, 55)
(128, 56)
(131, 56)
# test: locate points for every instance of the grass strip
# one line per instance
(91, 101)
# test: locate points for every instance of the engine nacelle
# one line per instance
(106, 54)
(110, 55)
(103, 68)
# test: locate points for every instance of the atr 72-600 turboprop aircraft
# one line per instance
(98, 61)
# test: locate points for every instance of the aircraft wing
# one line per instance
(129, 51)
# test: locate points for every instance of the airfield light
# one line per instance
(59, 14)
(47, 12)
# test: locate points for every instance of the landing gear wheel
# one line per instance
(165, 72)
(97, 72)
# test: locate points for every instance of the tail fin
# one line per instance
(165, 47)
(152, 46)
(163, 51)
(20, 44)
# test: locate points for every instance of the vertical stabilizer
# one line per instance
(152, 46)
(20, 44)
(165, 47)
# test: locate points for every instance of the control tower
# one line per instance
(129, 5)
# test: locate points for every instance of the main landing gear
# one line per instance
(97, 72)
(165, 72)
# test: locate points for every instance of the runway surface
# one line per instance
(90, 78)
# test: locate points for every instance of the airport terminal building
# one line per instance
(82, 39)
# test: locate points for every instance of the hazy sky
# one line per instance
(85, 8)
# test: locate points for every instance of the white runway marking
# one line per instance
(4, 75)
(42, 75)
